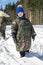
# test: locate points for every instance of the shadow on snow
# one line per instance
(33, 54)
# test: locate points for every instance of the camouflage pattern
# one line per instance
(2, 26)
(24, 31)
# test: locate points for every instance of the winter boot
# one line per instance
(22, 53)
(27, 51)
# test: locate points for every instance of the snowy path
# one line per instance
(9, 55)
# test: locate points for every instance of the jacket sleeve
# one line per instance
(33, 33)
(14, 29)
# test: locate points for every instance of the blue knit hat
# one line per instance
(19, 9)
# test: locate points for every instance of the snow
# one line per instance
(9, 55)
(38, 43)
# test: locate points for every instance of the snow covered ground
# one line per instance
(9, 55)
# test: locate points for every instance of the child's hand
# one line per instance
(33, 37)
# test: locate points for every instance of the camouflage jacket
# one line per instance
(23, 29)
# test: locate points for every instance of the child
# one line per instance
(22, 31)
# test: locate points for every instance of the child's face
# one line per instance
(20, 14)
